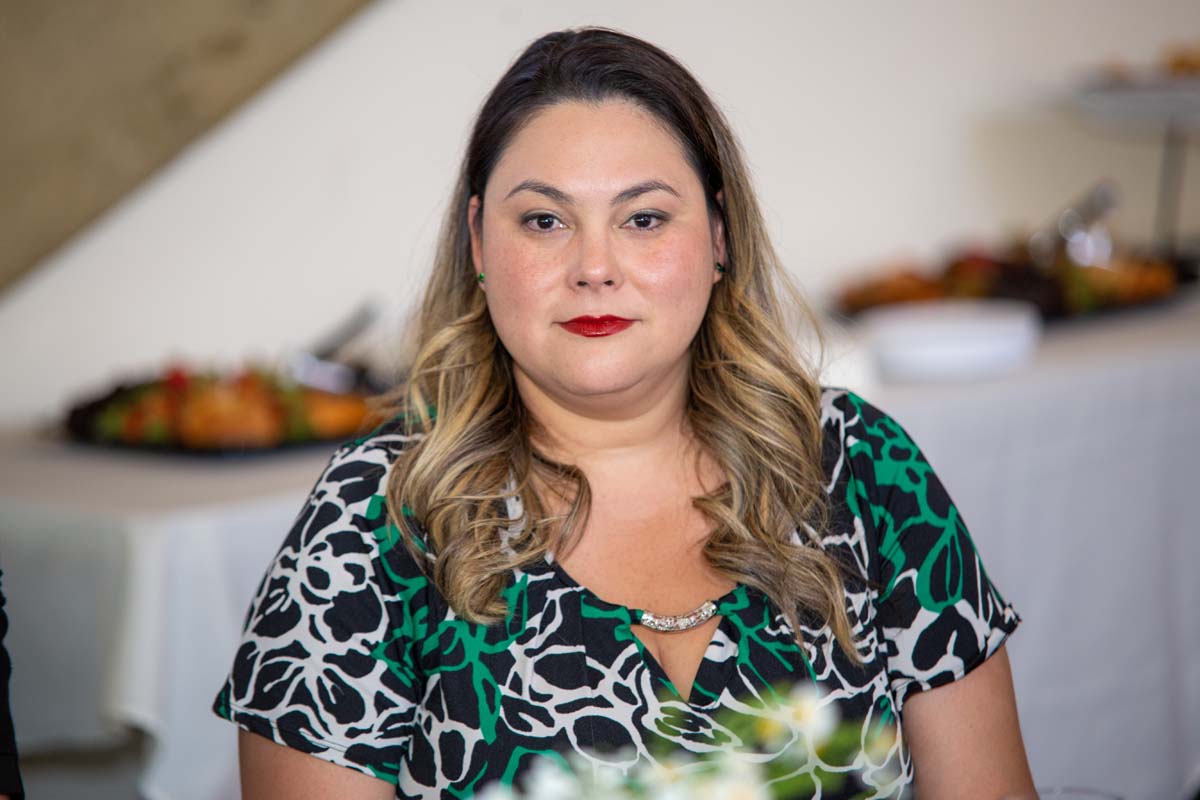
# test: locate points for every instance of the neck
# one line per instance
(614, 431)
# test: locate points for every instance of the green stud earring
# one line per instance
(720, 269)
(479, 277)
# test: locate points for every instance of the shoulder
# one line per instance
(858, 431)
(345, 517)
(368, 453)
(878, 474)
(884, 476)
(850, 412)
(356, 474)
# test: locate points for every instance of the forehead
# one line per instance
(578, 144)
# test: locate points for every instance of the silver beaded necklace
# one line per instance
(678, 622)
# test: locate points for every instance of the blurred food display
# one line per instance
(1067, 268)
(206, 411)
(1183, 60)
(1177, 61)
(1065, 290)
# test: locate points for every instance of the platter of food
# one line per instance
(1064, 291)
(250, 410)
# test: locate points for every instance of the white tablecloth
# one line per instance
(127, 578)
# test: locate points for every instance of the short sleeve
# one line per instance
(939, 614)
(327, 661)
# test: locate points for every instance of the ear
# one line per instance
(474, 225)
(718, 234)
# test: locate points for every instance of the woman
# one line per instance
(611, 500)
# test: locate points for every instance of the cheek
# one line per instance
(680, 275)
(516, 265)
(515, 286)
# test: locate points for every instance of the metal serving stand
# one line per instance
(1169, 104)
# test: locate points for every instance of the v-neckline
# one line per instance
(710, 675)
(704, 682)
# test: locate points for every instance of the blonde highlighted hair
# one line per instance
(754, 404)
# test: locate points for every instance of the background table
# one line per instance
(128, 576)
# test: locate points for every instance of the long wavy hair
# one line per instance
(754, 403)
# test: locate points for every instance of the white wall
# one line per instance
(874, 131)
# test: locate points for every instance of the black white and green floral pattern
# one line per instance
(350, 654)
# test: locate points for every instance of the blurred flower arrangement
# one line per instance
(788, 750)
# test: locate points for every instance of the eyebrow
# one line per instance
(559, 196)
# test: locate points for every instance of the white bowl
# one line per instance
(951, 339)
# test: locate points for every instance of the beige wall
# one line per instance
(874, 131)
(95, 97)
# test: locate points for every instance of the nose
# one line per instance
(594, 262)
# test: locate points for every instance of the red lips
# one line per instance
(597, 326)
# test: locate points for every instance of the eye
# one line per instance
(647, 220)
(541, 222)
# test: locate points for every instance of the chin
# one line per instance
(569, 376)
(595, 385)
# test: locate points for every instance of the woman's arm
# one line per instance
(964, 737)
(271, 771)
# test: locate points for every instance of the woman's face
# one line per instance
(594, 211)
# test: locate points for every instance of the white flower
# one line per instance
(603, 775)
(550, 780)
(607, 783)
(772, 731)
(723, 788)
(664, 778)
(734, 778)
(807, 710)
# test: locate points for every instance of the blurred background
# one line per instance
(217, 216)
